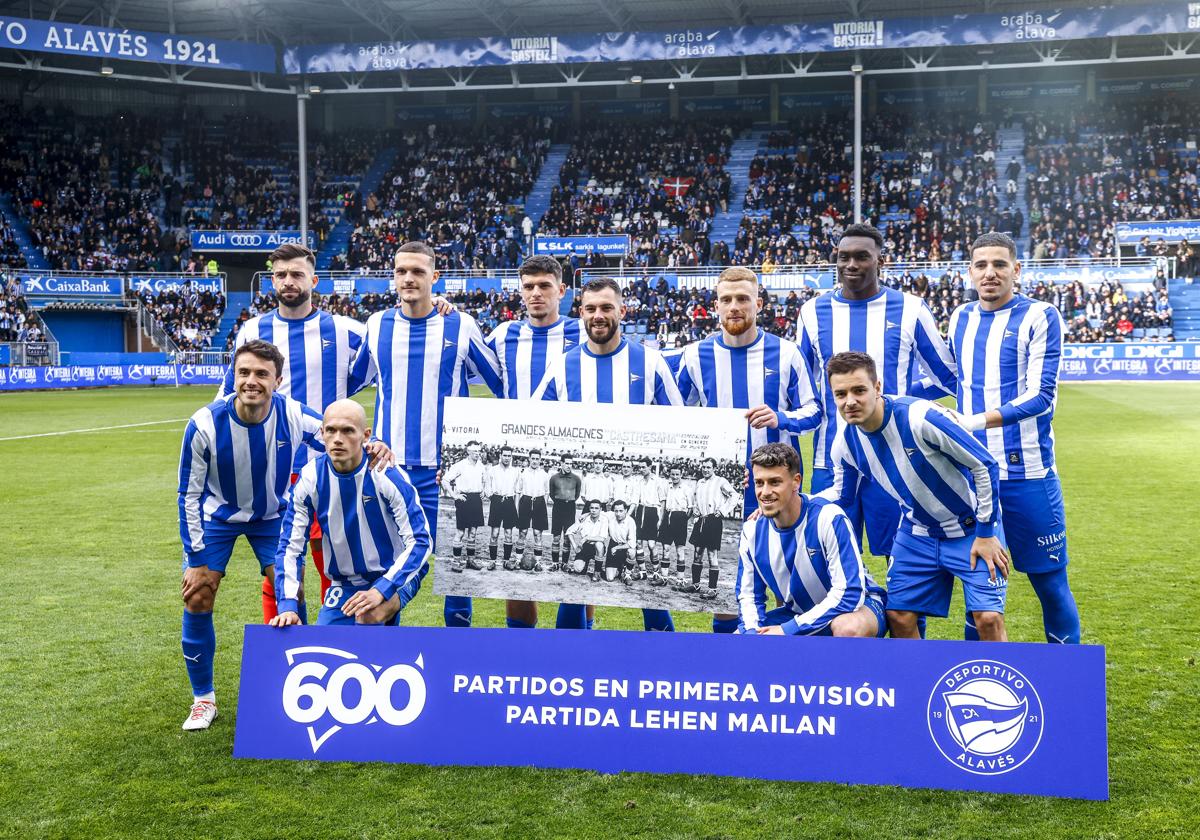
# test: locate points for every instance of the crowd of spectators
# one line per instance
(930, 187)
(659, 182)
(188, 315)
(458, 189)
(1090, 167)
(17, 321)
(10, 249)
(88, 188)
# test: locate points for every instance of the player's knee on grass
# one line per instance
(902, 624)
(990, 625)
(858, 624)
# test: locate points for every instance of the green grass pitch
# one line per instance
(92, 687)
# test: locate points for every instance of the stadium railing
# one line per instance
(29, 353)
(202, 357)
(149, 325)
(823, 275)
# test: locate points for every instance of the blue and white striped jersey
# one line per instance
(318, 354)
(814, 568)
(769, 371)
(633, 374)
(943, 478)
(419, 362)
(524, 351)
(373, 531)
(1008, 360)
(233, 472)
(896, 329)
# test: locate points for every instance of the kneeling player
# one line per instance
(589, 542)
(374, 532)
(233, 475)
(622, 543)
(803, 552)
(945, 483)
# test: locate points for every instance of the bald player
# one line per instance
(373, 531)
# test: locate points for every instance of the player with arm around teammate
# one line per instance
(945, 483)
(234, 471)
(1009, 349)
(802, 552)
(376, 537)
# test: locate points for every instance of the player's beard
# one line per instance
(602, 333)
(739, 327)
(299, 299)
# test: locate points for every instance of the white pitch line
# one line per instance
(96, 429)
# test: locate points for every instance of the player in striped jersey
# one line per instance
(608, 369)
(745, 367)
(524, 348)
(375, 534)
(319, 349)
(1008, 348)
(421, 357)
(803, 552)
(234, 468)
(944, 481)
(898, 331)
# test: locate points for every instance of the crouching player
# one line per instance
(802, 551)
(373, 531)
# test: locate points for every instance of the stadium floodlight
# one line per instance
(106, 70)
(671, 86)
(856, 68)
(314, 88)
(635, 80)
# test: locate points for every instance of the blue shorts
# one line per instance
(424, 481)
(881, 512)
(921, 576)
(782, 615)
(1035, 524)
(337, 595)
(219, 538)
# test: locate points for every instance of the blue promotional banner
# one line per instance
(1172, 231)
(776, 281)
(1141, 87)
(1004, 718)
(783, 39)
(611, 245)
(49, 285)
(154, 285)
(446, 283)
(1042, 90)
(130, 45)
(627, 108)
(99, 376)
(246, 240)
(1088, 274)
(504, 110)
(939, 96)
(724, 104)
(430, 113)
(1132, 362)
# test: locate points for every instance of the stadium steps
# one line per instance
(339, 236)
(1185, 310)
(235, 302)
(32, 254)
(538, 200)
(1010, 145)
(725, 224)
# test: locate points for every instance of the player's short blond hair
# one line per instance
(737, 274)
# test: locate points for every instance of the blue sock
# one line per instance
(572, 617)
(199, 645)
(970, 633)
(921, 625)
(457, 612)
(1060, 614)
(303, 612)
(516, 624)
(658, 620)
(725, 625)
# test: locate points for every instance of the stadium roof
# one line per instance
(287, 22)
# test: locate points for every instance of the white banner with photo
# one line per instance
(630, 506)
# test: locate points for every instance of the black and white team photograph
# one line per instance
(640, 509)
